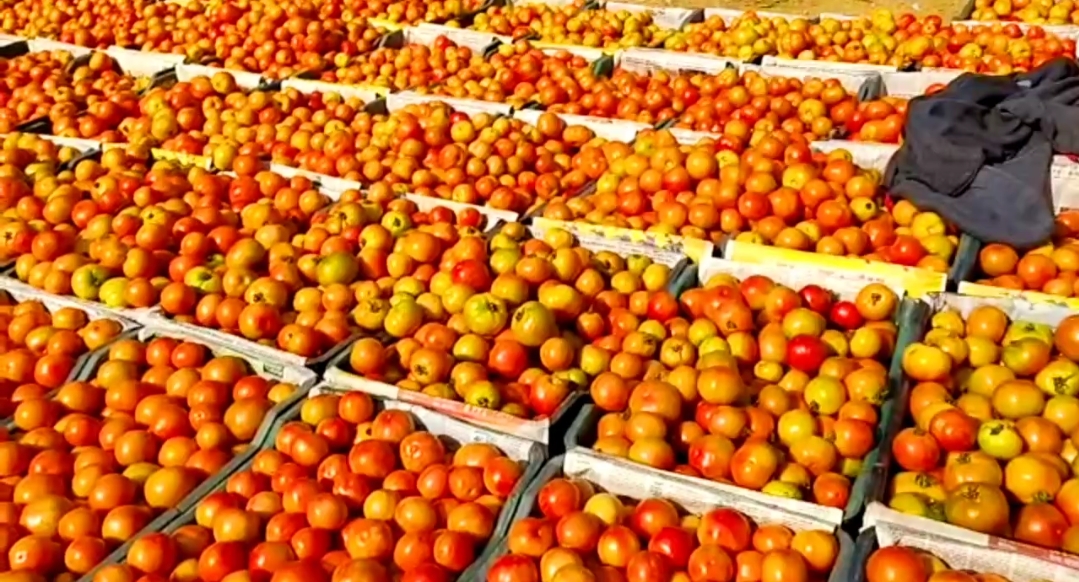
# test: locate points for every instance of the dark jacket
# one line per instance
(978, 152)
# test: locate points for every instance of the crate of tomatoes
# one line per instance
(148, 425)
(980, 457)
(347, 485)
(591, 517)
(46, 345)
(773, 383)
(498, 335)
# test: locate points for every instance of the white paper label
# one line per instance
(1064, 181)
(852, 81)
(729, 15)
(826, 67)
(665, 17)
(38, 45)
(872, 156)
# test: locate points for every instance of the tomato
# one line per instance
(662, 307)
(979, 507)
(507, 358)
(1000, 439)
(513, 568)
(806, 353)
(816, 298)
(754, 464)
(973, 467)
(676, 543)
(954, 430)
(473, 273)
(725, 528)
(1031, 479)
(469, 216)
(784, 566)
(845, 314)
(1067, 500)
(710, 562)
(916, 450)
(1041, 524)
(896, 564)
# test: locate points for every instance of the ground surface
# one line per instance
(949, 9)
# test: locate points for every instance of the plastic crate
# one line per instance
(953, 542)
(864, 547)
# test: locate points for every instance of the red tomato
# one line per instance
(906, 250)
(845, 314)
(806, 353)
(662, 307)
(916, 450)
(816, 298)
(954, 430)
(1041, 524)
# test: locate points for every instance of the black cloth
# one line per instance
(978, 152)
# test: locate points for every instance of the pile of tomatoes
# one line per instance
(580, 533)
(778, 192)
(88, 467)
(517, 324)
(882, 38)
(346, 492)
(40, 351)
(197, 232)
(772, 389)
(1052, 268)
(427, 149)
(519, 74)
(85, 99)
(992, 419)
(740, 106)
